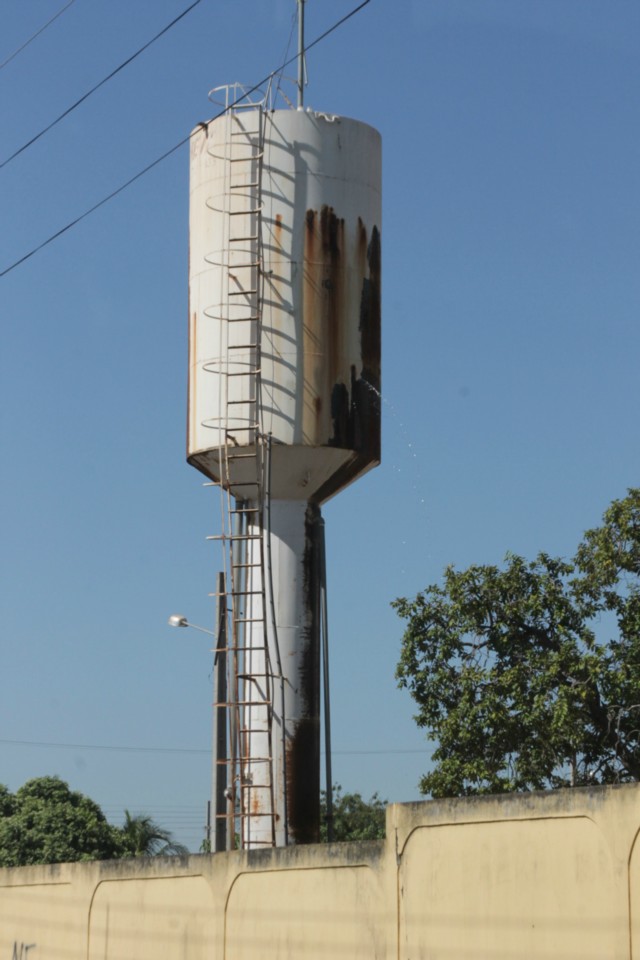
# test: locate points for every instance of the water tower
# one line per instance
(284, 412)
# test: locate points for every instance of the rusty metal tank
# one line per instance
(295, 234)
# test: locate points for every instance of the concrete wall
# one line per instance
(529, 876)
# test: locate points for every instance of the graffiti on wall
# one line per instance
(21, 950)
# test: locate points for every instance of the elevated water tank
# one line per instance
(285, 214)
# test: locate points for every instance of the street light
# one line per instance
(177, 620)
(222, 803)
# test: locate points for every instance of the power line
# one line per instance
(97, 86)
(154, 163)
(104, 746)
(185, 750)
(36, 34)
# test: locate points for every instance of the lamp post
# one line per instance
(222, 798)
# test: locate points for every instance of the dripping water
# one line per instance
(413, 475)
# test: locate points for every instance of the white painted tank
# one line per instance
(314, 224)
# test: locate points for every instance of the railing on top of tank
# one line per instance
(239, 96)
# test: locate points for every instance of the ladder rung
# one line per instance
(245, 565)
(242, 346)
(253, 237)
(245, 373)
(237, 593)
(249, 620)
(252, 318)
(242, 293)
(246, 157)
(244, 186)
(245, 703)
(230, 537)
(248, 212)
(243, 650)
(235, 648)
(245, 510)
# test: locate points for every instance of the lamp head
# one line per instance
(176, 620)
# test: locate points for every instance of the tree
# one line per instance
(528, 677)
(46, 822)
(353, 817)
(143, 837)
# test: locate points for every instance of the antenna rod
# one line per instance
(301, 70)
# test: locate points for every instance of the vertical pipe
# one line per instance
(324, 630)
(219, 792)
(300, 54)
(279, 713)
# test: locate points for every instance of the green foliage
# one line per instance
(46, 822)
(528, 677)
(353, 817)
(143, 837)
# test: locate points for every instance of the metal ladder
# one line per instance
(242, 479)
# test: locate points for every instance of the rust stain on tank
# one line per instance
(355, 409)
(347, 381)
(256, 807)
(362, 247)
(277, 232)
(332, 233)
(370, 349)
(323, 314)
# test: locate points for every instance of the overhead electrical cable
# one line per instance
(120, 748)
(97, 86)
(36, 34)
(167, 153)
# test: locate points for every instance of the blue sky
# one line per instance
(511, 297)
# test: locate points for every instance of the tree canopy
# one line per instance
(47, 822)
(353, 817)
(528, 676)
(143, 837)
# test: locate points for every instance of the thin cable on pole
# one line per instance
(97, 86)
(167, 153)
(286, 54)
(36, 34)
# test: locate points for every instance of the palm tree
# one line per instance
(143, 837)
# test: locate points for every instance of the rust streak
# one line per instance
(303, 749)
